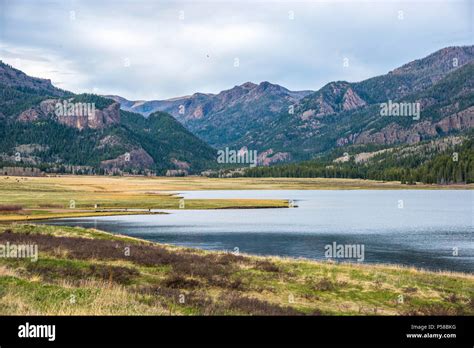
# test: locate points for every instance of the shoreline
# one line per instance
(5, 218)
(329, 261)
(152, 277)
(41, 198)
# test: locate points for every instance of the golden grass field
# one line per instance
(76, 196)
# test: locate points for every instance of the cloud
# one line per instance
(158, 49)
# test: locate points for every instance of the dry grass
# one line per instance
(103, 299)
(153, 184)
(91, 267)
(51, 197)
(80, 196)
(5, 208)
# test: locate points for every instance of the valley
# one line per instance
(173, 172)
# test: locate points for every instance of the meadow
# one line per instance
(31, 198)
(90, 272)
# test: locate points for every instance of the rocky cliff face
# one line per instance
(269, 157)
(395, 133)
(351, 100)
(332, 98)
(79, 119)
(97, 120)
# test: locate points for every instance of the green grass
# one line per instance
(85, 271)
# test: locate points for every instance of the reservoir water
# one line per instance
(432, 229)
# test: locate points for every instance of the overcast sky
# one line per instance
(163, 49)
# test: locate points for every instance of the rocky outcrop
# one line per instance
(269, 157)
(97, 119)
(44, 110)
(333, 98)
(458, 121)
(366, 156)
(394, 133)
(180, 164)
(109, 141)
(351, 100)
(29, 115)
(137, 158)
(323, 108)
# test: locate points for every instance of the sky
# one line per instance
(144, 50)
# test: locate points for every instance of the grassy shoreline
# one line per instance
(88, 272)
(38, 198)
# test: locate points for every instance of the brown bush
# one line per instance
(50, 205)
(226, 283)
(324, 285)
(410, 290)
(183, 263)
(10, 208)
(117, 274)
(434, 310)
(266, 266)
(175, 281)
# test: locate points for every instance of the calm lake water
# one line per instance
(414, 227)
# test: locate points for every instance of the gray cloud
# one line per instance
(144, 50)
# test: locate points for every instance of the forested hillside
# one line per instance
(33, 135)
(445, 161)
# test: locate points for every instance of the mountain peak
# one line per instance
(265, 85)
(248, 85)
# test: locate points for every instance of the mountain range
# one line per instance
(107, 140)
(299, 125)
(224, 119)
(183, 133)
